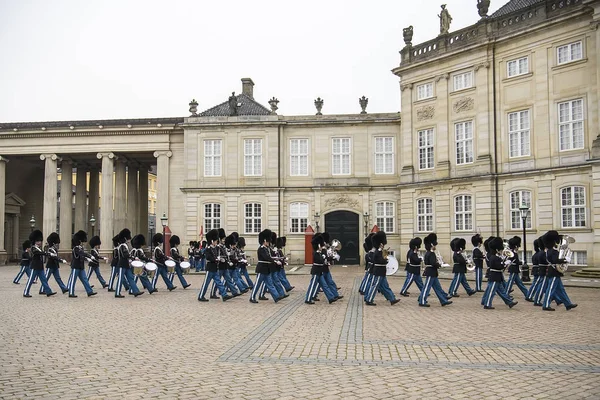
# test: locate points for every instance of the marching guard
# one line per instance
(124, 267)
(366, 282)
(53, 263)
(413, 267)
(137, 254)
(25, 262)
(243, 263)
(160, 258)
(460, 268)
(535, 271)
(431, 273)
(497, 266)
(37, 265)
(538, 296)
(478, 258)
(319, 260)
(380, 282)
(94, 264)
(78, 265)
(555, 290)
(264, 267)
(212, 270)
(514, 269)
(174, 241)
(281, 241)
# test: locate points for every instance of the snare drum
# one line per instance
(170, 266)
(138, 267)
(150, 269)
(185, 267)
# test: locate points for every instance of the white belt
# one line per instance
(266, 262)
(318, 265)
(415, 265)
(380, 265)
(496, 270)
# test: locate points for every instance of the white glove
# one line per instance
(337, 257)
(507, 262)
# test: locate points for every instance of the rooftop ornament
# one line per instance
(445, 19)
(193, 107)
(363, 101)
(273, 103)
(319, 105)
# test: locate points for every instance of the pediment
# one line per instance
(12, 199)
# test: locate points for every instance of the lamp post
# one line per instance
(93, 223)
(32, 222)
(524, 210)
(366, 219)
(163, 221)
(317, 216)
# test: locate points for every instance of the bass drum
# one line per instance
(392, 265)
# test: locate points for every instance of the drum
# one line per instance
(170, 266)
(138, 267)
(185, 267)
(392, 265)
(150, 269)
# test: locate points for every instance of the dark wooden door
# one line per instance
(343, 226)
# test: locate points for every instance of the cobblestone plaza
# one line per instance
(168, 345)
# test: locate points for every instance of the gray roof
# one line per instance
(514, 5)
(103, 122)
(248, 107)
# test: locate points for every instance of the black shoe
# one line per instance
(290, 289)
(558, 303)
(316, 299)
(340, 297)
(72, 295)
(254, 301)
(245, 291)
(370, 303)
(250, 287)
(17, 283)
(119, 296)
(446, 304)
(404, 294)
(92, 294)
(153, 291)
(471, 293)
(528, 299)
(338, 288)
(514, 303)
(394, 302)
(548, 309)
(333, 300)
(227, 297)
(138, 294)
(309, 302)
(361, 293)
(537, 304)
(455, 295)
(92, 286)
(202, 299)
(172, 288)
(26, 295)
(573, 305)
(104, 286)
(236, 294)
(65, 290)
(407, 292)
(262, 298)
(187, 286)
(284, 296)
(424, 305)
(214, 297)
(511, 290)
(51, 294)
(111, 290)
(488, 308)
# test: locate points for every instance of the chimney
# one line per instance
(248, 87)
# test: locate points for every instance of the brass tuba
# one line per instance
(565, 253)
(440, 260)
(470, 263)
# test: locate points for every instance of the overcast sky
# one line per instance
(92, 59)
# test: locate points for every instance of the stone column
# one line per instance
(66, 204)
(93, 200)
(50, 193)
(106, 208)
(162, 183)
(80, 199)
(407, 133)
(143, 201)
(132, 199)
(120, 206)
(3, 162)
(444, 135)
(15, 241)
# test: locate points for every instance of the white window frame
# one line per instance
(384, 154)
(515, 199)
(463, 213)
(212, 216)
(298, 217)
(516, 67)
(426, 161)
(424, 91)
(571, 134)
(385, 215)
(463, 80)
(253, 157)
(579, 257)
(424, 214)
(463, 134)
(519, 133)
(342, 156)
(571, 52)
(569, 207)
(212, 157)
(299, 157)
(252, 218)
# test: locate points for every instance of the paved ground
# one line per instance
(168, 345)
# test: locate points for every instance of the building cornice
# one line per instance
(46, 134)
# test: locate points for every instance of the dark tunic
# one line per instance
(431, 264)
(413, 265)
(496, 269)
(380, 263)
(477, 257)
(460, 263)
(37, 259)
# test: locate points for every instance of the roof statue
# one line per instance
(233, 104)
(445, 19)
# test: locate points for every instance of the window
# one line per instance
(212, 216)
(425, 91)
(425, 148)
(212, 157)
(425, 215)
(384, 214)
(464, 142)
(529, 255)
(569, 52)
(516, 199)
(384, 155)
(517, 67)
(299, 157)
(518, 133)
(463, 81)
(341, 156)
(579, 258)
(463, 213)
(298, 217)
(573, 206)
(252, 218)
(252, 157)
(570, 124)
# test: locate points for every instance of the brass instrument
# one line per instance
(565, 253)
(440, 260)
(507, 252)
(470, 263)
(385, 253)
(332, 251)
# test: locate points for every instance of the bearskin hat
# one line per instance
(283, 241)
(279, 243)
(536, 245)
(541, 242)
(326, 237)
(415, 242)
(379, 239)
(124, 235)
(476, 240)
(551, 238)
(53, 239)
(36, 236)
(229, 241)
(460, 244)
(368, 244)
(264, 235)
(496, 244)
(174, 241)
(317, 240)
(241, 242)
(453, 244)
(95, 241)
(514, 242)
(115, 241)
(191, 244)
(82, 235)
(236, 236)
(26, 245)
(222, 234)
(430, 240)
(212, 235)
(486, 244)
(138, 241)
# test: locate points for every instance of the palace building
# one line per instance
(496, 116)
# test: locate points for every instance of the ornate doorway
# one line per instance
(344, 226)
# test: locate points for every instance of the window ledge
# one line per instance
(465, 90)
(518, 77)
(576, 230)
(569, 64)
(425, 100)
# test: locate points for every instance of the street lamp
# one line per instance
(93, 223)
(524, 210)
(366, 218)
(32, 222)
(317, 216)
(163, 221)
